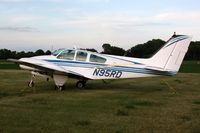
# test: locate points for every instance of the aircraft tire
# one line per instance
(80, 84)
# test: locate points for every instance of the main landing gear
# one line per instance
(80, 84)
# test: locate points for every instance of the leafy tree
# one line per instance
(39, 52)
(108, 49)
(117, 51)
(145, 50)
(5, 54)
(48, 52)
(193, 51)
(21, 54)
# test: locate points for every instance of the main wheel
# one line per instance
(80, 84)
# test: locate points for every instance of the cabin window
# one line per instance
(81, 56)
(67, 54)
(95, 58)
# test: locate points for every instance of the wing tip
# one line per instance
(13, 60)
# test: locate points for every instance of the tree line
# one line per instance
(145, 50)
(6, 54)
(149, 48)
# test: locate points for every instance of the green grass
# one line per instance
(122, 106)
(190, 67)
(8, 65)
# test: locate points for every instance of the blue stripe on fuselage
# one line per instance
(114, 68)
(75, 63)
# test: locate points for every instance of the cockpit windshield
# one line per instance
(58, 51)
(67, 54)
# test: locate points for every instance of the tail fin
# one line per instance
(170, 56)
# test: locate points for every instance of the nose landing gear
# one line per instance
(31, 83)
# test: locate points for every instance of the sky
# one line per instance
(51, 24)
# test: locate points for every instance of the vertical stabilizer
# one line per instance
(171, 55)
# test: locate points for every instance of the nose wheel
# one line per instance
(80, 84)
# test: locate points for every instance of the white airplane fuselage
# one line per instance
(115, 67)
(86, 65)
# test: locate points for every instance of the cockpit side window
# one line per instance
(67, 54)
(98, 59)
(81, 56)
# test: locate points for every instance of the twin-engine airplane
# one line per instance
(84, 65)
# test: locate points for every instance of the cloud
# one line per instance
(24, 19)
(178, 16)
(36, 1)
(19, 29)
(92, 1)
(56, 1)
(108, 21)
(15, 0)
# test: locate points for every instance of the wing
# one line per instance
(46, 67)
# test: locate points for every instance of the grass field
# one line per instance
(8, 65)
(190, 67)
(146, 105)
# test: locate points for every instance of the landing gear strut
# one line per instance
(80, 84)
(60, 88)
(31, 83)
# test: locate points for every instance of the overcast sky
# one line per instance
(33, 24)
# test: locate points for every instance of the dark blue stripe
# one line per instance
(65, 61)
(176, 41)
(115, 68)
(143, 71)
